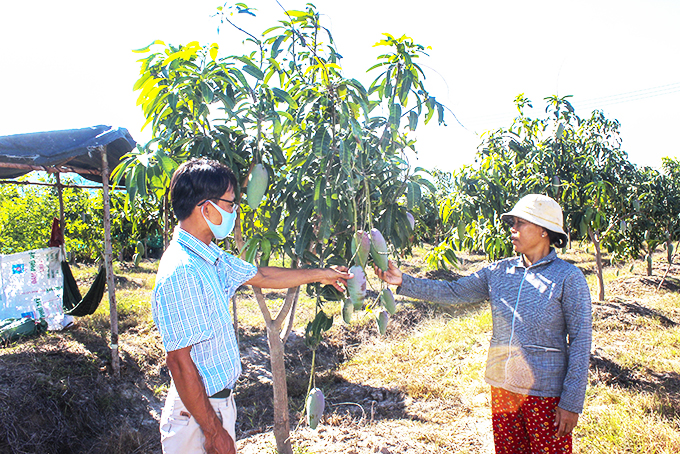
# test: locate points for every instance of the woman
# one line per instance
(542, 326)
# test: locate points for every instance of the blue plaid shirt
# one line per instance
(190, 306)
(542, 324)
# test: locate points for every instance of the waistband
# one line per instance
(226, 392)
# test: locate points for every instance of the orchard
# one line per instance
(325, 177)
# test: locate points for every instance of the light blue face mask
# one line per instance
(222, 230)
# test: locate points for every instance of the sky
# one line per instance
(70, 64)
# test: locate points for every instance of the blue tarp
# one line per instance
(72, 148)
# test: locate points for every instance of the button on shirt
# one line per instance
(190, 306)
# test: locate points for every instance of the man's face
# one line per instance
(226, 202)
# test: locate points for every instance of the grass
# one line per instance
(431, 361)
(625, 421)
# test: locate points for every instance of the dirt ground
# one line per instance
(57, 394)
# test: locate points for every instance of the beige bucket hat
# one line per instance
(540, 210)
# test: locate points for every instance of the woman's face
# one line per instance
(527, 236)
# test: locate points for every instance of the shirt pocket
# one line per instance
(548, 365)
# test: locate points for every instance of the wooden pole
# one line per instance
(108, 261)
(60, 191)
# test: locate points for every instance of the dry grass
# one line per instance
(419, 389)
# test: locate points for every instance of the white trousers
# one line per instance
(181, 434)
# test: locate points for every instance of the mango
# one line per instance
(361, 246)
(379, 251)
(356, 287)
(411, 221)
(347, 310)
(383, 318)
(314, 407)
(388, 301)
(137, 258)
(257, 185)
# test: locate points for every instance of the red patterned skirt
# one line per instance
(525, 424)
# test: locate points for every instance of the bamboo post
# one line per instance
(108, 261)
(60, 191)
(62, 221)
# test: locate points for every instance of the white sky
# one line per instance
(69, 64)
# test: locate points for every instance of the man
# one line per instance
(190, 305)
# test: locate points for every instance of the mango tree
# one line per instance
(333, 150)
(577, 162)
(345, 169)
(657, 204)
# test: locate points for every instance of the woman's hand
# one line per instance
(393, 275)
(565, 421)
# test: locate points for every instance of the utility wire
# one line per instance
(601, 101)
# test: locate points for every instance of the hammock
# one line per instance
(79, 306)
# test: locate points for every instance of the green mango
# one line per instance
(257, 186)
(361, 246)
(379, 250)
(356, 287)
(383, 318)
(411, 221)
(347, 310)
(388, 300)
(314, 407)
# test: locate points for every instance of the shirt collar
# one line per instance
(552, 255)
(208, 252)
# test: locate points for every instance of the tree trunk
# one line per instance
(276, 352)
(281, 419)
(595, 238)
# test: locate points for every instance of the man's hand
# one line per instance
(219, 442)
(393, 275)
(337, 277)
(565, 421)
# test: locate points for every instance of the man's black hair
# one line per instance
(196, 181)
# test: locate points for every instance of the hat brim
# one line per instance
(546, 224)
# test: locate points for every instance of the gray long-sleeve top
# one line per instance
(542, 324)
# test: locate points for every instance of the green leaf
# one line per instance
(413, 195)
(321, 142)
(254, 71)
(251, 251)
(140, 178)
(146, 48)
(285, 96)
(395, 115)
(304, 239)
(266, 247)
(316, 328)
(412, 120)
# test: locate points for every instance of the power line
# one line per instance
(631, 96)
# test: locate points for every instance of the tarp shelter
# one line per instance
(91, 153)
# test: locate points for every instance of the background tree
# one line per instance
(578, 162)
